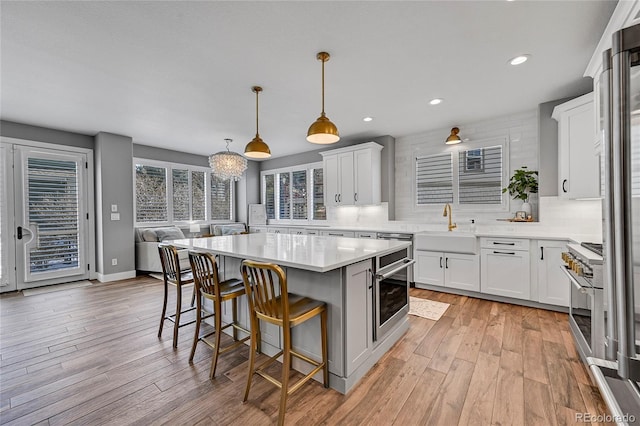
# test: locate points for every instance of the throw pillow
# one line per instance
(170, 233)
(149, 235)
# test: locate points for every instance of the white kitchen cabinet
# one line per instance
(553, 285)
(353, 175)
(312, 232)
(297, 231)
(453, 270)
(359, 316)
(578, 166)
(278, 230)
(258, 229)
(361, 234)
(505, 272)
(349, 234)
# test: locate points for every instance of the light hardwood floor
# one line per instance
(91, 356)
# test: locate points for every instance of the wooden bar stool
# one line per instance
(208, 286)
(269, 301)
(173, 275)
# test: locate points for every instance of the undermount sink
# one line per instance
(452, 242)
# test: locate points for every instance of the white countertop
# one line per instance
(309, 252)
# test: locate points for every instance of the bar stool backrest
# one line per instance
(170, 262)
(263, 292)
(205, 272)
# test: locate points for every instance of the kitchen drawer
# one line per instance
(505, 243)
(312, 232)
(297, 231)
(372, 235)
(350, 234)
(275, 230)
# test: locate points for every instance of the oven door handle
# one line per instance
(386, 274)
(575, 283)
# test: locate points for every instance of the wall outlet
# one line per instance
(115, 216)
(114, 262)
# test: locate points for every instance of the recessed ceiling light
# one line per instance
(367, 119)
(519, 60)
(435, 101)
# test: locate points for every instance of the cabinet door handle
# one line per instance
(355, 197)
(504, 252)
(564, 189)
(446, 263)
(339, 198)
(336, 198)
(541, 253)
(440, 261)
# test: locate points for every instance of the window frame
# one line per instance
(456, 152)
(309, 167)
(169, 166)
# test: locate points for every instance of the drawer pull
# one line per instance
(505, 252)
(497, 243)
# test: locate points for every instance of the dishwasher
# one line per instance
(401, 237)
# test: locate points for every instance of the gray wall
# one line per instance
(114, 185)
(246, 192)
(169, 155)
(387, 157)
(548, 134)
(12, 129)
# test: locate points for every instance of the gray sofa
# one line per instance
(147, 239)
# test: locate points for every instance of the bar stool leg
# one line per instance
(218, 332)
(176, 324)
(252, 356)
(164, 309)
(234, 310)
(286, 366)
(197, 332)
(325, 355)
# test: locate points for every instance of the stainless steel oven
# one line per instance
(587, 312)
(390, 290)
(397, 236)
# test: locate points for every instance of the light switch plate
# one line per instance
(114, 208)
(115, 216)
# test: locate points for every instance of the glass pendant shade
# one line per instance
(227, 164)
(453, 137)
(323, 131)
(257, 148)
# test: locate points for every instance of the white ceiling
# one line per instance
(178, 74)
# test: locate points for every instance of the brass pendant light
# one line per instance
(323, 131)
(453, 137)
(257, 148)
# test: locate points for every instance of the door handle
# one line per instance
(541, 253)
(564, 182)
(339, 198)
(19, 236)
(335, 198)
(355, 197)
(440, 262)
(446, 263)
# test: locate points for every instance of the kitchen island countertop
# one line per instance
(307, 252)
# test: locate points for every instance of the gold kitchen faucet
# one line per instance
(452, 226)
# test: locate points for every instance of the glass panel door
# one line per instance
(7, 245)
(50, 216)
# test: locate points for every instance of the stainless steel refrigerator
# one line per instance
(618, 374)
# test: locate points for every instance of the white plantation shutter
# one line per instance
(299, 194)
(319, 210)
(198, 200)
(151, 194)
(5, 239)
(480, 176)
(53, 206)
(270, 195)
(434, 179)
(284, 195)
(180, 190)
(221, 198)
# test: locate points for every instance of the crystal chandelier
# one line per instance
(227, 164)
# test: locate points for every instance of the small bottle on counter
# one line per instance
(472, 227)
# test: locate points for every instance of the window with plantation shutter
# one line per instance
(480, 176)
(269, 191)
(299, 194)
(221, 198)
(319, 210)
(284, 195)
(434, 179)
(151, 194)
(180, 192)
(198, 199)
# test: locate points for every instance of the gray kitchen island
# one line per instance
(339, 271)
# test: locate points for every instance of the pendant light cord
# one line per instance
(323, 61)
(257, 92)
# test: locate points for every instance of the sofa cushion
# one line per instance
(169, 233)
(149, 234)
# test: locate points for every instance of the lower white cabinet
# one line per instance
(359, 316)
(297, 231)
(452, 270)
(361, 234)
(553, 285)
(350, 234)
(275, 230)
(505, 272)
(258, 229)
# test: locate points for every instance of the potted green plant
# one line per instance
(522, 183)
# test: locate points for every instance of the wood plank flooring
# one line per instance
(91, 356)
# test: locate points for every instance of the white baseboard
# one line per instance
(103, 278)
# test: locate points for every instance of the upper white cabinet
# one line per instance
(353, 175)
(578, 166)
(553, 284)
